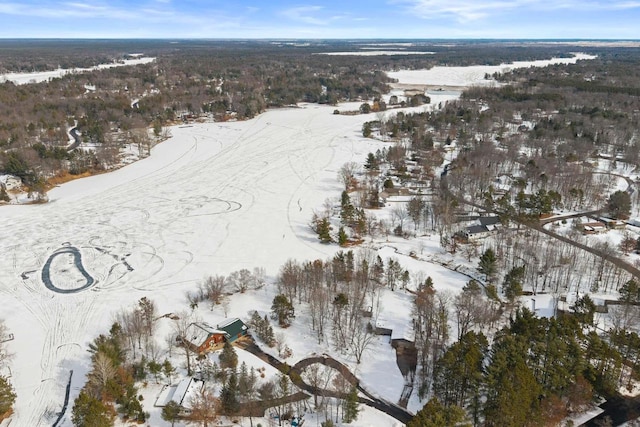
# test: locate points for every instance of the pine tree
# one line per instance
(458, 374)
(323, 228)
(228, 357)
(342, 237)
(155, 368)
(91, 412)
(282, 310)
(350, 408)
(488, 264)
(7, 395)
(171, 412)
(435, 414)
(512, 392)
(512, 285)
(229, 395)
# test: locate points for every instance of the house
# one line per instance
(233, 329)
(202, 337)
(485, 226)
(475, 232)
(593, 227)
(181, 393)
(611, 223)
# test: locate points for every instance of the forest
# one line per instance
(190, 79)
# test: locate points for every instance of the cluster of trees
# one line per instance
(533, 371)
(215, 289)
(7, 393)
(119, 359)
(537, 371)
(190, 82)
(345, 400)
(110, 384)
(223, 79)
(341, 294)
(261, 327)
(539, 135)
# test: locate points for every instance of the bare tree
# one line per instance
(361, 339)
(180, 328)
(214, 288)
(347, 174)
(399, 215)
(204, 407)
(103, 371)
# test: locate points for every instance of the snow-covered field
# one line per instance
(214, 198)
(472, 75)
(43, 76)
(377, 53)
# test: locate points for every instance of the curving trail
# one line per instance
(295, 373)
(77, 257)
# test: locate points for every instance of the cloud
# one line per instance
(471, 10)
(304, 14)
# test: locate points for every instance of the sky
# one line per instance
(501, 19)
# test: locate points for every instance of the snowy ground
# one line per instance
(473, 75)
(212, 199)
(43, 76)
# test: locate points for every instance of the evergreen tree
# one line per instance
(168, 369)
(435, 414)
(584, 310)
(228, 357)
(171, 412)
(458, 374)
(488, 264)
(372, 162)
(347, 210)
(282, 310)
(512, 392)
(350, 408)
(155, 368)
(91, 412)
(323, 228)
(512, 285)
(229, 395)
(342, 237)
(619, 205)
(7, 395)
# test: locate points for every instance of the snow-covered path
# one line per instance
(212, 199)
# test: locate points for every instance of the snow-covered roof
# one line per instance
(180, 393)
(403, 331)
(198, 332)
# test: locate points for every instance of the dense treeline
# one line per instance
(542, 132)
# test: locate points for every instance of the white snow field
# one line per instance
(214, 198)
(473, 75)
(43, 76)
